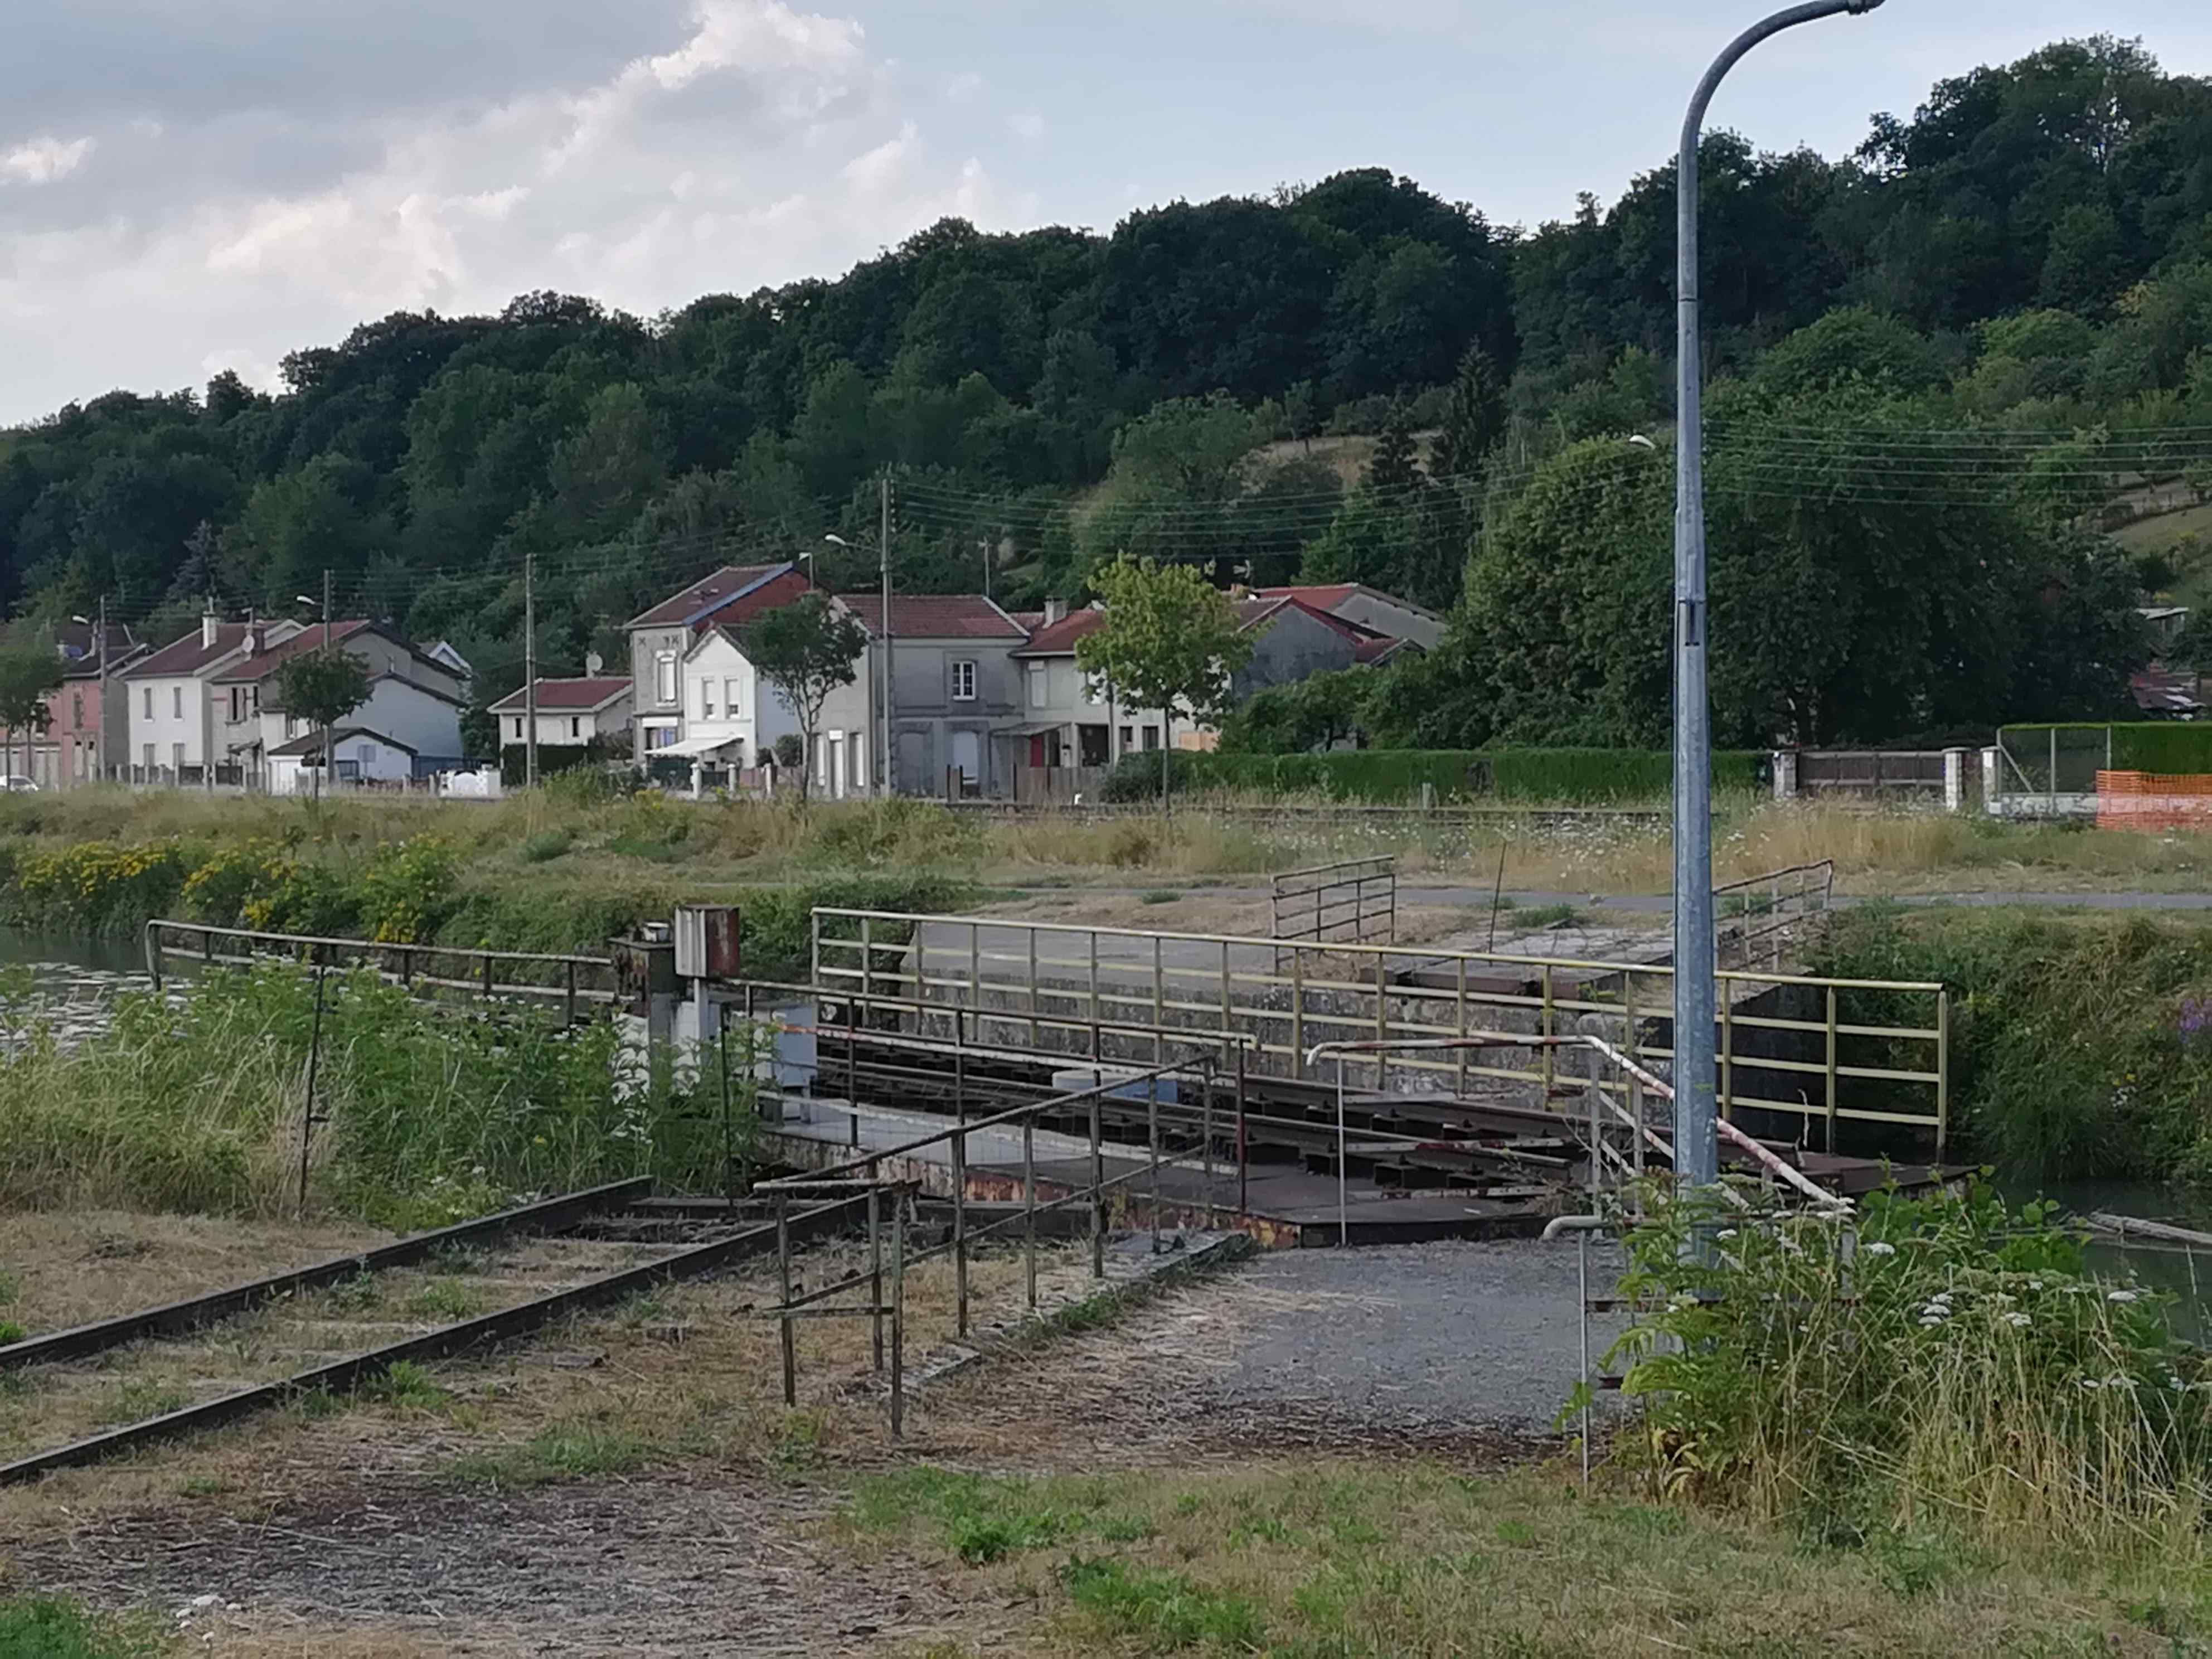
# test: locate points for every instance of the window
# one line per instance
(150, 709)
(177, 750)
(1038, 684)
(729, 697)
(706, 700)
(517, 730)
(77, 710)
(663, 678)
(253, 699)
(1094, 690)
(237, 704)
(177, 701)
(576, 725)
(964, 681)
(1128, 738)
(1152, 739)
(150, 752)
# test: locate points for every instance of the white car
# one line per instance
(18, 786)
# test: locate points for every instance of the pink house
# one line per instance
(85, 717)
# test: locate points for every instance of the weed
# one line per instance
(797, 1444)
(357, 1294)
(54, 1627)
(447, 1300)
(546, 846)
(404, 1386)
(1519, 1534)
(202, 1485)
(1159, 895)
(312, 1405)
(1161, 1606)
(137, 1398)
(11, 1332)
(574, 1450)
(11, 1288)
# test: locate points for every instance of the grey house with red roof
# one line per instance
(697, 697)
(661, 637)
(408, 728)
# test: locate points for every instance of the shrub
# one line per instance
(95, 886)
(1944, 1356)
(407, 890)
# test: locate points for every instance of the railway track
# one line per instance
(98, 1390)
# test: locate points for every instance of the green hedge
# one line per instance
(2170, 747)
(1394, 776)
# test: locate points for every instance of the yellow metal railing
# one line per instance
(1787, 1042)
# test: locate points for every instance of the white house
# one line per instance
(415, 702)
(570, 712)
(362, 756)
(172, 714)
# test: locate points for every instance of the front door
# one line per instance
(968, 760)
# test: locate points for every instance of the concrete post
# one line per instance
(1955, 779)
(1990, 780)
(1785, 774)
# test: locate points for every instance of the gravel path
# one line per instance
(1419, 1338)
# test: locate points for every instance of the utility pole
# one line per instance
(330, 761)
(100, 749)
(1696, 1149)
(890, 671)
(530, 670)
(986, 545)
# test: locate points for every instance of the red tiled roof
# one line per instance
(1381, 648)
(1059, 639)
(935, 616)
(566, 693)
(1325, 597)
(699, 599)
(262, 664)
(777, 591)
(187, 655)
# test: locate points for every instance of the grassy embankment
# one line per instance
(2082, 1043)
(554, 870)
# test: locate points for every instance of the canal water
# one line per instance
(72, 980)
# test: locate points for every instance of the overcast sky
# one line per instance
(187, 185)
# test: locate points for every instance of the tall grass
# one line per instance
(1942, 1365)
(194, 1104)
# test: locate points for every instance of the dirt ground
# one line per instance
(675, 1507)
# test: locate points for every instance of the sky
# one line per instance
(192, 185)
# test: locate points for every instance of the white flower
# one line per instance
(1725, 1232)
(2019, 1322)
(2087, 1383)
(2035, 1284)
(1929, 1324)
(2002, 1300)
(1940, 1296)
(2119, 1296)
(1881, 1247)
(1936, 1310)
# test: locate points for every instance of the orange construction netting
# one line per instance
(2154, 800)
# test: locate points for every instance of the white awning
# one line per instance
(692, 747)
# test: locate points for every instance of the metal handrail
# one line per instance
(1425, 953)
(469, 953)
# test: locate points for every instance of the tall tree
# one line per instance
(322, 687)
(29, 673)
(806, 650)
(1169, 639)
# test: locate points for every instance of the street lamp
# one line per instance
(1696, 1156)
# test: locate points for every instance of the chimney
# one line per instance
(1054, 610)
(209, 624)
(257, 639)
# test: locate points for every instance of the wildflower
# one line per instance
(2019, 1322)
(1725, 1232)
(2035, 1284)
(1881, 1247)
(2119, 1296)
(2087, 1383)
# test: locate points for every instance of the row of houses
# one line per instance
(985, 701)
(205, 709)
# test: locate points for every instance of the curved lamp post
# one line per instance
(1695, 1152)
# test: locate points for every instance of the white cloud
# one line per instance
(44, 160)
(751, 144)
(1027, 124)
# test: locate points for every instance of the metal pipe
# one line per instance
(876, 1278)
(1097, 1189)
(783, 1281)
(1696, 1154)
(1028, 1201)
(898, 1315)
